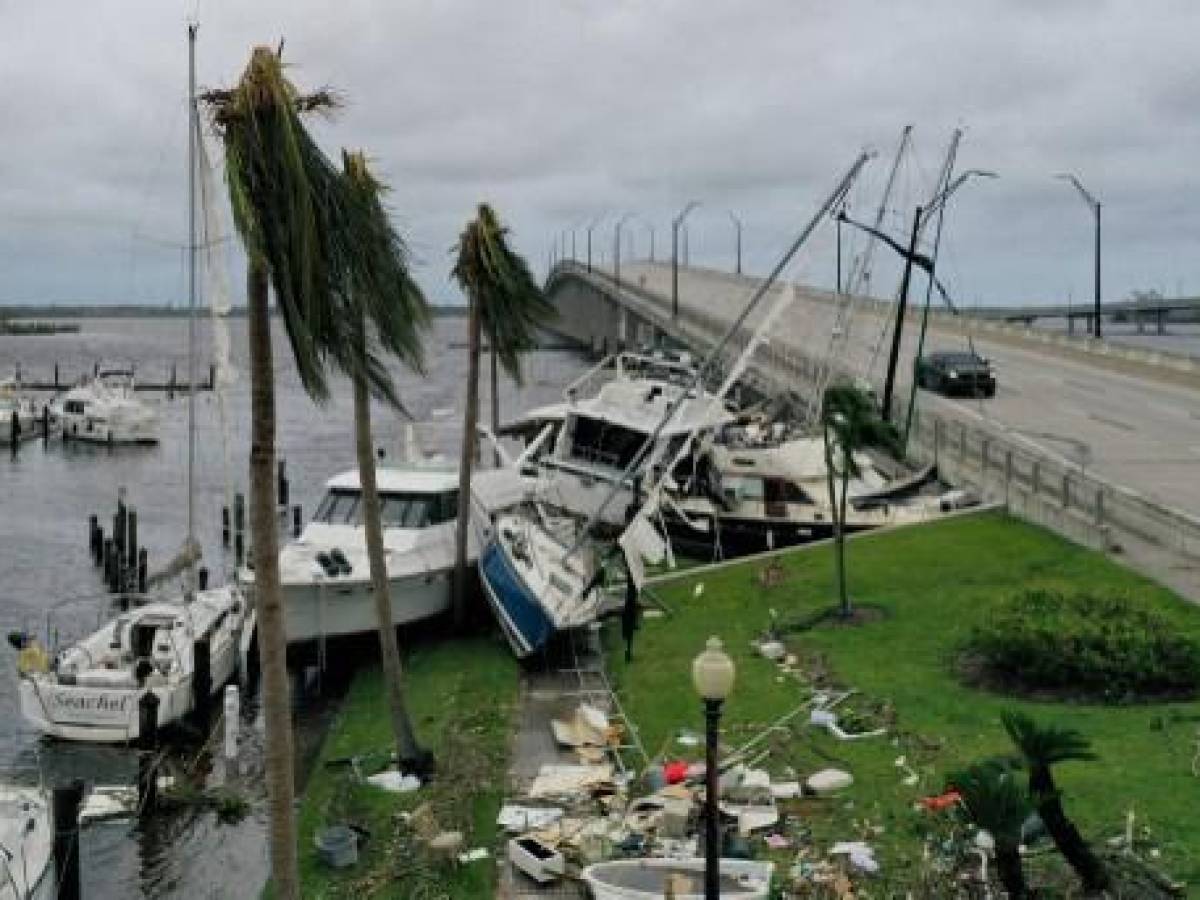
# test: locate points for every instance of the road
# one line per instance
(1133, 431)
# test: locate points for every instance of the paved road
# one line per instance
(1136, 432)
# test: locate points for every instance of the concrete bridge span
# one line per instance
(1099, 443)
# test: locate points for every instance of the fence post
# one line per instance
(1066, 490)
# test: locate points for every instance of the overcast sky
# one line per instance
(558, 111)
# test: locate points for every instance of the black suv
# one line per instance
(950, 373)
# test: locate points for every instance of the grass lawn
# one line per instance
(461, 694)
(934, 582)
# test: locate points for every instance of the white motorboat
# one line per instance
(325, 574)
(536, 583)
(26, 844)
(105, 410)
(182, 652)
(621, 436)
(683, 879)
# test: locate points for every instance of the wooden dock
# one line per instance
(171, 384)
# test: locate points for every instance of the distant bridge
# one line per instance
(1140, 312)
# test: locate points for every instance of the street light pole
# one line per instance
(591, 226)
(737, 226)
(617, 248)
(712, 675)
(675, 223)
(1094, 205)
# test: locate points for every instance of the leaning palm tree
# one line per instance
(294, 214)
(507, 305)
(1041, 747)
(995, 802)
(849, 423)
(392, 302)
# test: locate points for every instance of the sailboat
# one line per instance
(167, 655)
(26, 841)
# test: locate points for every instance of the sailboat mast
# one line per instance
(193, 137)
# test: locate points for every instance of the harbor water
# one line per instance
(48, 491)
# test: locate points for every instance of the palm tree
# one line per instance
(384, 278)
(995, 802)
(506, 303)
(849, 423)
(296, 220)
(1041, 747)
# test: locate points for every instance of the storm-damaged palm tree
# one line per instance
(393, 313)
(994, 801)
(849, 424)
(302, 230)
(507, 305)
(1041, 747)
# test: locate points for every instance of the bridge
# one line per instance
(1098, 442)
(1141, 312)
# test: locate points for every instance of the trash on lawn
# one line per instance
(752, 806)
(688, 739)
(828, 781)
(337, 846)
(474, 855)
(861, 855)
(825, 719)
(941, 801)
(536, 859)
(786, 790)
(391, 780)
(107, 802)
(772, 650)
(569, 780)
(911, 777)
(516, 818)
(448, 843)
(778, 841)
(587, 728)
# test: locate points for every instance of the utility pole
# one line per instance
(1094, 205)
(675, 223)
(737, 227)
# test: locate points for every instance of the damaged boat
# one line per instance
(683, 879)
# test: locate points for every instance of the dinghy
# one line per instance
(651, 879)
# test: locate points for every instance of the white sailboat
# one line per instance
(171, 654)
(26, 843)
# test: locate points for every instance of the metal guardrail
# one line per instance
(1032, 482)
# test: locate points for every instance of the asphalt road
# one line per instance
(1133, 431)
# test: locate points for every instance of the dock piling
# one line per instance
(297, 520)
(66, 802)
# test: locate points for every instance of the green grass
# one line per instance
(461, 694)
(934, 582)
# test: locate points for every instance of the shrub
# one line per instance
(1082, 645)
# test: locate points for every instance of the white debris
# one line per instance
(394, 781)
(473, 855)
(785, 790)
(772, 650)
(829, 781)
(516, 818)
(559, 780)
(861, 854)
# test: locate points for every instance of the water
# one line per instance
(1181, 338)
(47, 493)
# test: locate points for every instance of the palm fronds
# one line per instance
(498, 280)
(1045, 745)
(851, 418)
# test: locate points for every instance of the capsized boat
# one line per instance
(26, 842)
(535, 583)
(106, 410)
(182, 652)
(683, 879)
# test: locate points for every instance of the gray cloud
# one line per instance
(559, 112)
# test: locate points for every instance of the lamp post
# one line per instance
(675, 223)
(591, 226)
(737, 225)
(712, 675)
(1094, 205)
(617, 248)
(650, 230)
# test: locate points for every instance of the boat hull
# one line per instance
(26, 833)
(522, 618)
(649, 879)
(317, 610)
(82, 428)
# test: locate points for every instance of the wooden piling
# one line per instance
(66, 802)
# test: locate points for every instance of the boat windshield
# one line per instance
(397, 510)
(603, 443)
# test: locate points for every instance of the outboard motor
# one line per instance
(328, 566)
(339, 559)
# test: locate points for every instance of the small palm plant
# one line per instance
(994, 801)
(849, 424)
(1041, 747)
(506, 304)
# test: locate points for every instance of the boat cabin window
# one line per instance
(396, 510)
(74, 407)
(604, 443)
(770, 490)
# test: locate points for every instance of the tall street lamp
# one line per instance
(590, 228)
(712, 675)
(617, 247)
(1095, 207)
(649, 226)
(737, 225)
(675, 223)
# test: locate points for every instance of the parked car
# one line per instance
(957, 373)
